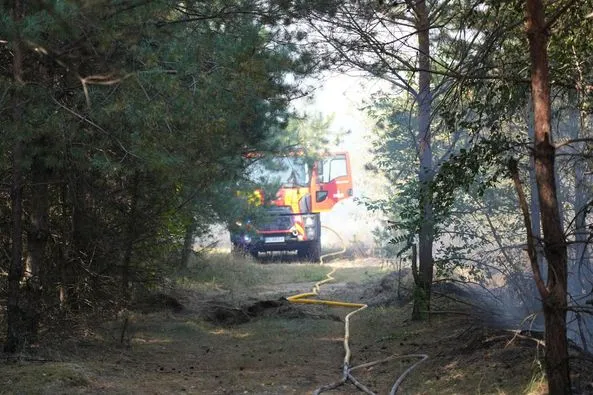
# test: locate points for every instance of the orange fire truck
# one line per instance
(292, 220)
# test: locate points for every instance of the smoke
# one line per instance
(580, 314)
(516, 304)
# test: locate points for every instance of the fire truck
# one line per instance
(291, 220)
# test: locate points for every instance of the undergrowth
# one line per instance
(229, 272)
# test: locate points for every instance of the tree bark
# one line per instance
(534, 198)
(531, 240)
(37, 236)
(554, 298)
(73, 211)
(15, 339)
(15, 334)
(426, 231)
(130, 236)
(536, 224)
(188, 242)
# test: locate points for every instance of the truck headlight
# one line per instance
(309, 222)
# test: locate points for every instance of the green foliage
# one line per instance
(312, 133)
(309, 137)
(138, 117)
(395, 156)
(478, 168)
(478, 124)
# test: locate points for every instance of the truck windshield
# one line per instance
(287, 171)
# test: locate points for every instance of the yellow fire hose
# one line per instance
(305, 298)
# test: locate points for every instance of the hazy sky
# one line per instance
(344, 96)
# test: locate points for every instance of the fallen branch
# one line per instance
(517, 334)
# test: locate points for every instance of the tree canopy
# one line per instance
(124, 126)
(120, 122)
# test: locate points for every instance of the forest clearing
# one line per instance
(222, 333)
(157, 156)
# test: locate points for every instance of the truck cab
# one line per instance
(291, 220)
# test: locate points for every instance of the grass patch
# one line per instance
(463, 357)
(228, 272)
(46, 378)
(359, 274)
(167, 352)
(294, 330)
(538, 385)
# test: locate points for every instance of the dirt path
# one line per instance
(223, 342)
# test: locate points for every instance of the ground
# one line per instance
(232, 332)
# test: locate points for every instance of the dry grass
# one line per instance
(463, 358)
(232, 273)
(167, 352)
(44, 378)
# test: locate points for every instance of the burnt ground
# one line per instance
(224, 342)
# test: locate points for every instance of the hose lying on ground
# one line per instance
(346, 369)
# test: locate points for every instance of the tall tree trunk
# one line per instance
(15, 335)
(37, 235)
(66, 250)
(534, 198)
(76, 196)
(188, 242)
(536, 224)
(130, 236)
(426, 232)
(554, 298)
